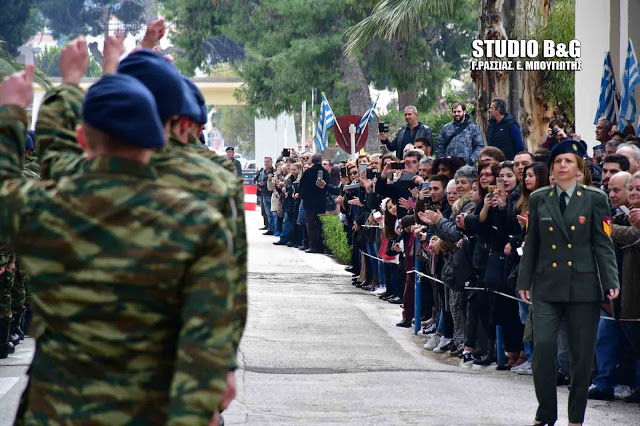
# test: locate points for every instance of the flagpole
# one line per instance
(314, 148)
(337, 124)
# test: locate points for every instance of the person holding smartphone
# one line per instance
(567, 267)
(312, 191)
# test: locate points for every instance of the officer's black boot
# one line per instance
(14, 330)
(488, 358)
(19, 324)
(26, 323)
(6, 347)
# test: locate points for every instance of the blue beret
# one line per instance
(567, 146)
(194, 108)
(190, 106)
(161, 78)
(121, 106)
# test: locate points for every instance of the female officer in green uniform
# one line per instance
(567, 266)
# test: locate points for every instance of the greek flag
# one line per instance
(630, 80)
(607, 101)
(368, 116)
(325, 121)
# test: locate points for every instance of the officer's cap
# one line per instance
(194, 107)
(161, 78)
(230, 148)
(567, 146)
(121, 106)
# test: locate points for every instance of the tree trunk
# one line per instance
(405, 98)
(360, 99)
(522, 90)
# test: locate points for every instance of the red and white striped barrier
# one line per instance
(250, 197)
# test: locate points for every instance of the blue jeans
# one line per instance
(610, 336)
(267, 209)
(371, 262)
(287, 222)
(523, 309)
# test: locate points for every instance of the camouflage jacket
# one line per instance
(176, 166)
(236, 188)
(130, 279)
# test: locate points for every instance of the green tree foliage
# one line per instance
(559, 85)
(49, 63)
(236, 123)
(14, 24)
(292, 46)
(81, 17)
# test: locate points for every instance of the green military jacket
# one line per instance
(568, 257)
(176, 164)
(130, 279)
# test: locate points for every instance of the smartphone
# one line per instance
(371, 173)
(343, 171)
(500, 184)
(383, 149)
(362, 168)
(625, 210)
(425, 185)
(490, 189)
(377, 215)
(383, 127)
(351, 187)
(397, 165)
(597, 153)
(319, 178)
(286, 152)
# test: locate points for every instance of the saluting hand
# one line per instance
(74, 61)
(17, 89)
(155, 32)
(113, 50)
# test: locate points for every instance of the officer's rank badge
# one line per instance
(606, 225)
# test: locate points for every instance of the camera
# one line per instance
(383, 127)
(554, 132)
(371, 173)
(286, 152)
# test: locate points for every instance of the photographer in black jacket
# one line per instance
(408, 133)
(312, 191)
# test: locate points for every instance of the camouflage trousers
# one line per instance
(6, 293)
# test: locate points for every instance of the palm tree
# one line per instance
(8, 66)
(395, 20)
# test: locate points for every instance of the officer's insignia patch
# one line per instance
(606, 225)
(575, 147)
(582, 220)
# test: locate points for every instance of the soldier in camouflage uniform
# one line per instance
(129, 275)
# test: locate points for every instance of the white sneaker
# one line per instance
(380, 290)
(525, 369)
(621, 391)
(443, 346)
(523, 365)
(432, 343)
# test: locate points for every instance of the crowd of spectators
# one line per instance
(460, 220)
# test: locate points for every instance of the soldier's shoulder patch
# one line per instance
(606, 225)
(592, 189)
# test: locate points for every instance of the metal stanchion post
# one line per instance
(502, 359)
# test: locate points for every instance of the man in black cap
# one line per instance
(567, 268)
(230, 156)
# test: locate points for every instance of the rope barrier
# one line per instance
(422, 274)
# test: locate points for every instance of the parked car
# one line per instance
(249, 172)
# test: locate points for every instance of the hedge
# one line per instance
(335, 238)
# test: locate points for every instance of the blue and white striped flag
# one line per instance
(607, 102)
(630, 80)
(368, 116)
(325, 121)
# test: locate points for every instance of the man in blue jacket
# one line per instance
(503, 131)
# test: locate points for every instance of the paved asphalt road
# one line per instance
(319, 351)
